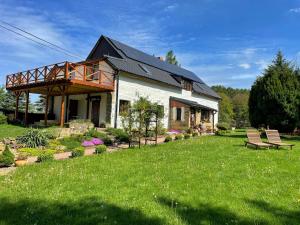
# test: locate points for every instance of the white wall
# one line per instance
(131, 87)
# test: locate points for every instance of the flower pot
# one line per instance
(21, 162)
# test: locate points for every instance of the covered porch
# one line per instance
(186, 114)
(59, 83)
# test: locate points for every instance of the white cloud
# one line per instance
(171, 7)
(244, 76)
(295, 10)
(245, 66)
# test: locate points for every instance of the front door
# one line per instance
(95, 112)
(73, 109)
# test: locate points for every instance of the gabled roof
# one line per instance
(131, 60)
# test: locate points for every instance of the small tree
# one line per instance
(7, 158)
(171, 58)
(274, 97)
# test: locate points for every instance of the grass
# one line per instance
(8, 130)
(209, 180)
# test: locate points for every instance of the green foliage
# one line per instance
(178, 137)
(100, 149)
(221, 132)
(222, 126)
(195, 134)
(171, 58)
(78, 151)
(72, 142)
(45, 156)
(274, 97)
(3, 118)
(33, 138)
(119, 134)
(168, 138)
(36, 151)
(7, 158)
(187, 136)
(107, 141)
(234, 109)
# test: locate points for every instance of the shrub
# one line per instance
(100, 149)
(187, 136)
(45, 156)
(179, 137)
(7, 158)
(29, 151)
(195, 134)
(52, 133)
(107, 141)
(71, 142)
(168, 138)
(97, 141)
(119, 134)
(189, 131)
(33, 138)
(223, 126)
(3, 118)
(22, 156)
(77, 152)
(221, 132)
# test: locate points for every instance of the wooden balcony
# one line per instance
(74, 78)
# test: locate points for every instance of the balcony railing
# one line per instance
(90, 72)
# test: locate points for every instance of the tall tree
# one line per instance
(226, 110)
(171, 58)
(274, 97)
(40, 104)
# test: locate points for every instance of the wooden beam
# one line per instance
(62, 110)
(46, 110)
(26, 108)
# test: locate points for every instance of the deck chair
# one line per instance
(255, 140)
(274, 139)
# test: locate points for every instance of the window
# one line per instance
(178, 114)
(145, 69)
(187, 85)
(124, 106)
(205, 115)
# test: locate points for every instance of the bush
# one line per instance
(77, 152)
(179, 137)
(45, 156)
(189, 131)
(3, 118)
(221, 132)
(107, 141)
(71, 142)
(33, 138)
(195, 134)
(168, 138)
(97, 141)
(120, 134)
(187, 136)
(36, 151)
(223, 126)
(7, 158)
(100, 149)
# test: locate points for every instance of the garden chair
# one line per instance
(274, 139)
(255, 140)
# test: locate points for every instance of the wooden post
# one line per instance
(17, 106)
(46, 109)
(26, 108)
(67, 70)
(62, 108)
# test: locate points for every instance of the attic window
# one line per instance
(145, 69)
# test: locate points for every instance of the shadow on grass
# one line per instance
(88, 211)
(207, 214)
(285, 216)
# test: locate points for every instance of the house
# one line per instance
(109, 80)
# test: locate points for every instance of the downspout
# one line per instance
(117, 100)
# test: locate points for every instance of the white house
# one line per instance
(112, 77)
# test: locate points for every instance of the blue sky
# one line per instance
(226, 42)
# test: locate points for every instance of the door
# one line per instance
(95, 112)
(73, 109)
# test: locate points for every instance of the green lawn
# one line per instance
(8, 130)
(210, 180)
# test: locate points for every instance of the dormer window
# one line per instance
(187, 84)
(145, 69)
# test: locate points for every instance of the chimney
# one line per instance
(161, 58)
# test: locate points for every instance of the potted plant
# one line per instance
(21, 159)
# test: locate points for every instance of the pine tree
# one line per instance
(40, 104)
(171, 58)
(274, 97)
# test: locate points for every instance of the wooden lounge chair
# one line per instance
(274, 139)
(255, 140)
